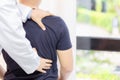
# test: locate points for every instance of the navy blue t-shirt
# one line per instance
(55, 37)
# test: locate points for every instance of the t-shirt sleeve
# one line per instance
(64, 41)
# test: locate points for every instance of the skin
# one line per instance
(66, 63)
(2, 72)
(65, 56)
(31, 3)
(35, 12)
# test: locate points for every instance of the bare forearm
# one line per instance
(64, 74)
(66, 63)
(2, 72)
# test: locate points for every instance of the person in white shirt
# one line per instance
(12, 35)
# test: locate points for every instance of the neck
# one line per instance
(33, 6)
(30, 3)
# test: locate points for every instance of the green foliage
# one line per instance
(97, 18)
(101, 61)
(94, 68)
(99, 76)
(103, 20)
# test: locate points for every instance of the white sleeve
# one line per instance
(0, 49)
(12, 37)
(24, 11)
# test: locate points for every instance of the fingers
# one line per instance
(42, 25)
(45, 64)
(48, 65)
(48, 61)
(43, 71)
(37, 16)
(35, 49)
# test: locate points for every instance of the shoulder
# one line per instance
(54, 21)
(52, 18)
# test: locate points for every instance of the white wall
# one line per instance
(67, 10)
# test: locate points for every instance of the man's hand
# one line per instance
(37, 16)
(44, 64)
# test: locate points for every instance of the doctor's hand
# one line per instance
(37, 16)
(44, 65)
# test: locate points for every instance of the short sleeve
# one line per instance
(64, 41)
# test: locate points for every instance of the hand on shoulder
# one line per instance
(37, 16)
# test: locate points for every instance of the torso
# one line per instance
(45, 42)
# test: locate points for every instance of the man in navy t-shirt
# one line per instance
(53, 41)
(55, 37)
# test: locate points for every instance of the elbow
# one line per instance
(67, 69)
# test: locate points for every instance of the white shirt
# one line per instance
(12, 36)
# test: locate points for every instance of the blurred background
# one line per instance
(98, 40)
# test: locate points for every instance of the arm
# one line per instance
(2, 72)
(12, 37)
(66, 63)
(64, 50)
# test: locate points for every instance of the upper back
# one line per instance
(54, 37)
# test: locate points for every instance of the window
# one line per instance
(98, 38)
